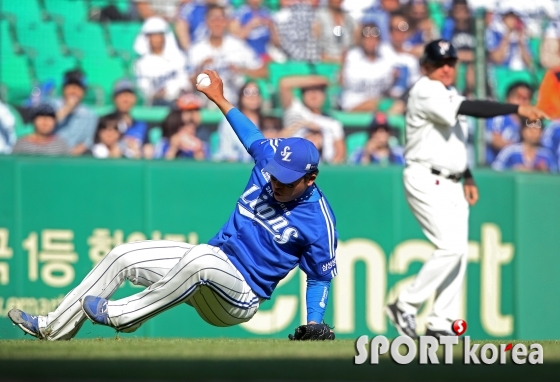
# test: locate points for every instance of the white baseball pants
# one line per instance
(173, 272)
(440, 206)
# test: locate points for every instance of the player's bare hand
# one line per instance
(215, 91)
(471, 191)
(532, 113)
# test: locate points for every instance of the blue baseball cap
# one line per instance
(294, 158)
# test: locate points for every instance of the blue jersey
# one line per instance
(505, 125)
(512, 156)
(194, 13)
(266, 239)
(513, 58)
(551, 139)
(259, 37)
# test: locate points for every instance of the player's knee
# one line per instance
(203, 262)
(117, 254)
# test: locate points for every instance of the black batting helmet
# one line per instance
(438, 50)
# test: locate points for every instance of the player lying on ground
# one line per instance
(436, 161)
(281, 220)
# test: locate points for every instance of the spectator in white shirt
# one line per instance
(550, 46)
(305, 118)
(7, 130)
(367, 75)
(407, 66)
(163, 8)
(231, 57)
(161, 71)
(335, 31)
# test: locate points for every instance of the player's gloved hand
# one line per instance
(312, 332)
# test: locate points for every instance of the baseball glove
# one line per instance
(312, 332)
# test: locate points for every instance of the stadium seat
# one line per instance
(21, 128)
(15, 76)
(21, 10)
(437, 14)
(272, 4)
(237, 3)
(502, 78)
(85, 38)
(354, 141)
(214, 143)
(291, 68)
(102, 73)
(461, 78)
(52, 68)
(6, 44)
(154, 135)
(38, 38)
(75, 10)
(329, 70)
(122, 36)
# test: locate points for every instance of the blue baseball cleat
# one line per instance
(26, 322)
(95, 309)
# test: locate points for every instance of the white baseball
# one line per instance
(203, 80)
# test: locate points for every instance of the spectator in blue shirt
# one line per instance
(503, 131)
(527, 155)
(134, 132)
(252, 23)
(459, 29)
(551, 139)
(76, 123)
(379, 15)
(422, 28)
(506, 41)
(377, 149)
(190, 26)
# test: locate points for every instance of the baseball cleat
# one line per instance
(439, 333)
(26, 322)
(95, 308)
(405, 323)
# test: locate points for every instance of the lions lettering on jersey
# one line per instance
(266, 214)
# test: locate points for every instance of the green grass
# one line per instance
(238, 359)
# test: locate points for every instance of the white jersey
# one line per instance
(232, 52)
(155, 72)
(7, 130)
(364, 79)
(331, 129)
(436, 136)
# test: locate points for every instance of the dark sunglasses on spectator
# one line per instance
(449, 61)
(287, 185)
(251, 92)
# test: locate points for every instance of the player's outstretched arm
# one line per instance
(245, 130)
(490, 109)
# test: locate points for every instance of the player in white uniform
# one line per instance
(436, 161)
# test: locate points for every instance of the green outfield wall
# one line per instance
(59, 217)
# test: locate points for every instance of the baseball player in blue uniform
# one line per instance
(280, 221)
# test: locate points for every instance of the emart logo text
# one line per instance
(427, 346)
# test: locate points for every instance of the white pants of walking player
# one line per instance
(173, 272)
(440, 206)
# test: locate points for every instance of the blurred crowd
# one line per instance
(375, 43)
